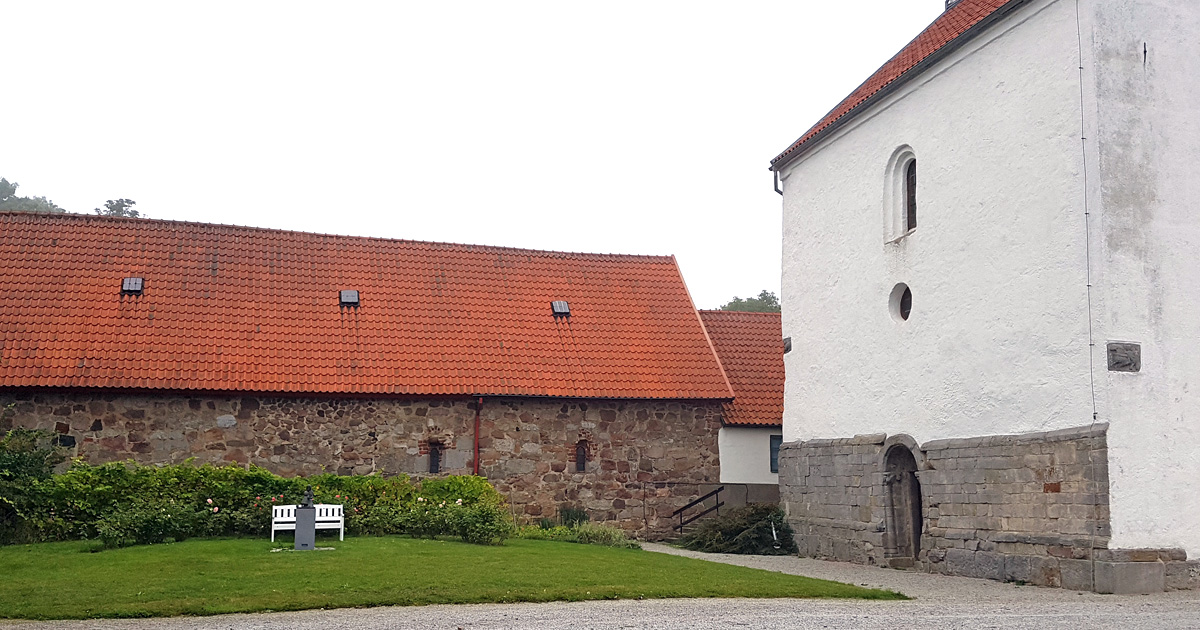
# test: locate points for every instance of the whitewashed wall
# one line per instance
(998, 341)
(746, 454)
(1146, 61)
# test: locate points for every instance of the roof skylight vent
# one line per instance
(132, 286)
(560, 308)
(348, 297)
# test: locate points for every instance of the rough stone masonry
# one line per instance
(1029, 508)
(644, 458)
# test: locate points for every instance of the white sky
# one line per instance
(625, 127)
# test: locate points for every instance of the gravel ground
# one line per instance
(939, 602)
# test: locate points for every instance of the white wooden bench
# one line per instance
(329, 516)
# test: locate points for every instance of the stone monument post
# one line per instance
(306, 523)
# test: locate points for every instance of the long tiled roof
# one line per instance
(750, 346)
(243, 309)
(949, 27)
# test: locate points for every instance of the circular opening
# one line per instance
(900, 302)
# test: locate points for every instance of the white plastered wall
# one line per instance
(1145, 120)
(998, 341)
(746, 454)
(998, 338)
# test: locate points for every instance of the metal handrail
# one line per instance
(717, 508)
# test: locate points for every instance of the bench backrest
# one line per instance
(325, 512)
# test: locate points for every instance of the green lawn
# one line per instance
(204, 577)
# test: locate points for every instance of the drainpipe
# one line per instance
(478, 408)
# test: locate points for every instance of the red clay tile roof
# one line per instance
(947, 28)
(750, 346)
(243, 309)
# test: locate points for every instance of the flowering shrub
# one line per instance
(150, 523)
(481, 524)
(125, 503)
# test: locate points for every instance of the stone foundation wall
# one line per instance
(832, 491)
(645, 458)
(1027, 508)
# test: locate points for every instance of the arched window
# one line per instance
(910, 195)
(900, 196)
(435, 457)
(581, 456)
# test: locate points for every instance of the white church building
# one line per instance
(991, 281)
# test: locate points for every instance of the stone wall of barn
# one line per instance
(644, 458)
(1029, 508)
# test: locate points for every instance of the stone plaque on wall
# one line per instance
(1124, 357)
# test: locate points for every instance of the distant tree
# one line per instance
(118, 208)
(11, 202)
(766, 302)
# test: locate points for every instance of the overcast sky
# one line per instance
(619, 127)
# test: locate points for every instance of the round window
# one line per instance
(900, 302)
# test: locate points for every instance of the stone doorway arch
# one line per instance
(903, 503)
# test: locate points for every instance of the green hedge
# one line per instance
(126, 503)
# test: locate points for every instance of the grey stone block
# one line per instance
(980, 564)
(960, 562)
(989, 565)
(1045, 571)
(1018, 569)
(1130, 578)
(1183, 575)
(1076, 574)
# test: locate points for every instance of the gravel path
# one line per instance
(939, 602)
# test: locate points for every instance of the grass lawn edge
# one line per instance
(52, 581)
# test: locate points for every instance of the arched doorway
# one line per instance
(903, 503)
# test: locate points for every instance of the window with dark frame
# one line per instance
(581, 456)
(776, 441)
(435, 457)
(910, 196)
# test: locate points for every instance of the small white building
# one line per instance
(990, 269)
(750, 347)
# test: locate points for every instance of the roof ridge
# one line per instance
(963, 22)
(725, 312)
(76, 216)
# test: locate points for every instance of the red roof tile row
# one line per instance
(750, 346)
(244, 309)
(948, 27)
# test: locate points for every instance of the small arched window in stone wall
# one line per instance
(900, 195)
(581, 456)
(435, 457)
